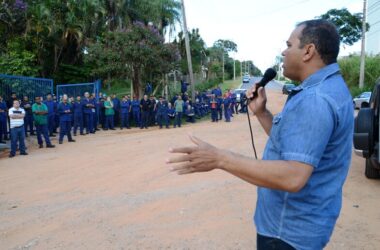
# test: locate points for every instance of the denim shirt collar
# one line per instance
(317, 77)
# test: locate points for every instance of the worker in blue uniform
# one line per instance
(65, 112)
(56, 114)
(162, 108)
(219, 107)
(171, 113)
(227, 108)
(78, 115)
(51, 114)
(3, 119)
(125, 110)
(88, 105)
(136, 111)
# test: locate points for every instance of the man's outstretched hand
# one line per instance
(202, 157)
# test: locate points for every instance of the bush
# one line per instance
(350, 68)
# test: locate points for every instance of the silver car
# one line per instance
(362, 100)
(238, 93)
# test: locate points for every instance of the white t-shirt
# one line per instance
(16, 122)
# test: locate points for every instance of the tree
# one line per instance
(349, 25)
(197, 50)
(131, 53)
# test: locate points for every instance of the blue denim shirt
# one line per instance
(315, 127)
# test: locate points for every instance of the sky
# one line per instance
(259, 28)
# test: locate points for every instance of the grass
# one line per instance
(231, 84)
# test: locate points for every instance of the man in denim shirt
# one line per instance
(308, 152)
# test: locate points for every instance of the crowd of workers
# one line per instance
(20, 117)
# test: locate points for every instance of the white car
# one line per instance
(246, 79)
(362, 100)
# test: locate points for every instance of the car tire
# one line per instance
(370, 171)
(364, 105)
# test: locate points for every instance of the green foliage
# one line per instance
(129, 53)
(349, 25)
(197, 50)
(18, 60)
(350, 68)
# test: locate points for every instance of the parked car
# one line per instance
(366, 134)
(287, 88)
(246, 79)
(238, 93)
(362, 100)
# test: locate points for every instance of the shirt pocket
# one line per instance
(275, 131)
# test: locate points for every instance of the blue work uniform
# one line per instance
(136, 112)
(219, 107)
(65, 116)
(88, 105)
(214, 110)
(189, 112)
(51, 115)
(3, 121)
(125, 106)
(227, 109)
(78, 116)
(162, 113)
(96, 112)
(56, 117)
(116, 108)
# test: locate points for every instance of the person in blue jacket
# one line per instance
(162, 112)
(51, 114)
(171, 113)
(97, 111)
(65, 112)
(78, 115)
(136, 111)
(3, 120)
(88, 105)
(125, 109)
(227, 108)
(219, 107)
(56, 114)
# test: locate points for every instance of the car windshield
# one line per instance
(365, 95)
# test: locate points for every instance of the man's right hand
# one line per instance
(258, 104)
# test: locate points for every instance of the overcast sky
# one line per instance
(259, 28)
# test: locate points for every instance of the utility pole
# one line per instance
(241, 69)
(234, 70)
(187, 42)
(223, 61)
(362, 58)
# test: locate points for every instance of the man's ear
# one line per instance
(309, 52)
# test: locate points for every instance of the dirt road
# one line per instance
(114, 191)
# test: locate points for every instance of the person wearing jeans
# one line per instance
(40, 111)
(16, 117)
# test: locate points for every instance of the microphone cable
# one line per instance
(250, 128)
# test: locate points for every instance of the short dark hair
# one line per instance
(324, 35)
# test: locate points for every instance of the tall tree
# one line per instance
(349, 25)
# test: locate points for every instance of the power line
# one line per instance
(372, 33)
(374, 4)
(373, 10)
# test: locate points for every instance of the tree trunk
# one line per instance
(136, 82)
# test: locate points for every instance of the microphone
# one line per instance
(269, 75)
